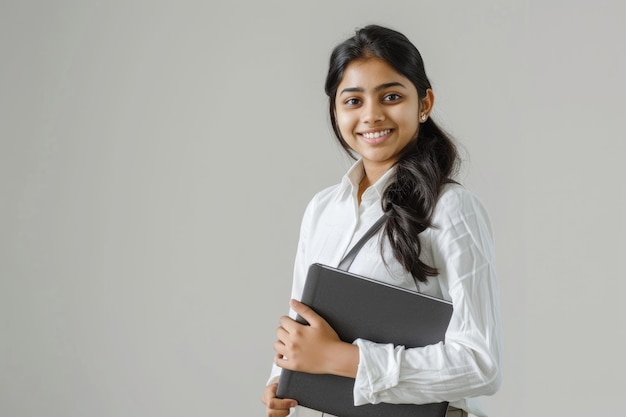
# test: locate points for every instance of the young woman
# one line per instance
(437, 239)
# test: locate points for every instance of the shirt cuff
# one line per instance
(274, 375)
(378, 370)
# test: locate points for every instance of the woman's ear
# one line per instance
(427, 103)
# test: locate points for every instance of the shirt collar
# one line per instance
(355, 174)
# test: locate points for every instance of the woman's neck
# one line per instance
(370, 177)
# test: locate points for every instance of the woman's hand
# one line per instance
(315, 348)
(276, 407)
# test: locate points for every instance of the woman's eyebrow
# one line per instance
(387, 85)
(377, 88)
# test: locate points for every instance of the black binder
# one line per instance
(360, 307)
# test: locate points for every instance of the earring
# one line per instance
(423, 117)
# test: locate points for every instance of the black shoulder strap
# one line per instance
(345, 263)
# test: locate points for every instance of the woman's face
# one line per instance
(377, 111)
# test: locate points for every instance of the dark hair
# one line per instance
(426, 163)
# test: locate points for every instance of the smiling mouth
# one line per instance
(376, 135)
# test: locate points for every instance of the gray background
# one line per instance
(156, 157)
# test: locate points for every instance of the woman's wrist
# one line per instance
(344, 359)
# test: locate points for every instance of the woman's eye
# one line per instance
(392, 97)
(352, 101)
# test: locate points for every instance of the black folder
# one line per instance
(360, 307)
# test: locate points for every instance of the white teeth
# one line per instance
(376, 135)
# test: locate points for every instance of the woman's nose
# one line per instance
(372, 112)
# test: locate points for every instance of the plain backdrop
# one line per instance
(156, 158)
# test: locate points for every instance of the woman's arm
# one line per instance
(468, 363)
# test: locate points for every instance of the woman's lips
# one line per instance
(375, 137)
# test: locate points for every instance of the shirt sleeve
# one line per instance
(468, 362)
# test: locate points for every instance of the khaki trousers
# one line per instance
(455, 412)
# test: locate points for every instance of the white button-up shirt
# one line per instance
(460, 245)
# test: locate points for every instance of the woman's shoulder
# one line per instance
(456, 201)
(322, 202)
